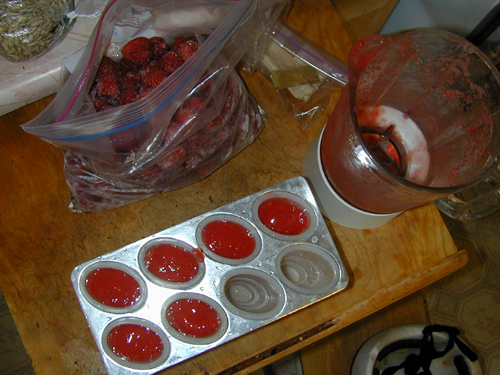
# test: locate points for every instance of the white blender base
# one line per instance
(329, 202)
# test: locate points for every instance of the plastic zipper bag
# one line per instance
(195, 120)
(303, 73)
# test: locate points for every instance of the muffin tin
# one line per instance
(192, 287)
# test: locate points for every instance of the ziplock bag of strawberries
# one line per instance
(154, 102)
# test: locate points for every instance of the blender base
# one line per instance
(330, 203)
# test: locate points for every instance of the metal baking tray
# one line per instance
(286, 272)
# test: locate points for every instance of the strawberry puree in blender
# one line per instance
(193, 318)
(135, 343)
(113, 287)
(412, 152)
(357, 175)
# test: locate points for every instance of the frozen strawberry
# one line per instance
(128, 66)
(214, 125)
(108, 87)
(187, 49)
(160, 47)
(170, 62)
(138, 50)
(128, 97)
(179, 40)
(196, 103)
(101, 105)
(184, 115)
(153, 79)
(144, 94)
(193, 142)
(173, 159)
(107, 67)
(151, 175)
(151, 67)
(173, 133)
(130, 80)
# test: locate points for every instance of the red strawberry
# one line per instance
(214, 125)
(152, 67)
(170, 62)
(173, 132)
(153, 79)
(179, 40)
(183, 115)
(138, 50)
(128, 97)
(151, 175)
(130, 80)
(108, 87)
(173, 159)
(159, 46)
(196, 103)
(144, 94)
(128, 66)
(204, 86)
(107, 67)
(101, 105)
(187, 49)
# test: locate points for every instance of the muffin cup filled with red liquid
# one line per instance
(135, 343)
(171, 263)
(228, 239)
(113, 287)
(284, 216)
(252, 293)
(194, 318)
(307, 269)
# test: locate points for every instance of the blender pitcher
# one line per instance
(417, 122)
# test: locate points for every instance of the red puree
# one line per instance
(193, 317)
(113, 287)
(283, 216)
(228, 239)
(171, 263)
(135, 343)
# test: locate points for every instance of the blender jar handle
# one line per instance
(484, 204)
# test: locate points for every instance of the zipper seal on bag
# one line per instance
(82, 79)
(187, 67)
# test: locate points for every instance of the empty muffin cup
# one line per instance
(307, 269)
(171, 263)
(135, 343)
(113, 287)
(252, 294)
(194, 318)
(284, 216)
(228, 239)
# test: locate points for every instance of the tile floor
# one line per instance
(468, 299)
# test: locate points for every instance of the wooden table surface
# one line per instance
(41, 241)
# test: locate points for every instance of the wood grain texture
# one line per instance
(41, 241)
(334, 354)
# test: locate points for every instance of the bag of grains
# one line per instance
(29, 28)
